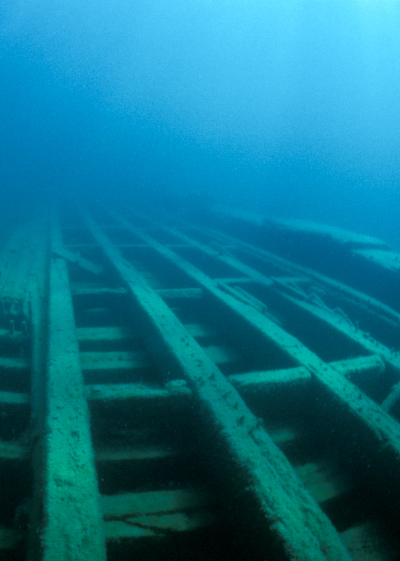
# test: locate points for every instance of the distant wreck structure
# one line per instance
(216, 387)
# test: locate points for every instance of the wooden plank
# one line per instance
(13, 340)
(81, 291)
(269, 380)
(102, 334)
(133, 453)
(154, 502)
(14, 365)
(38, 346)
(137, 392)
(14, 398)
(156, 514)
(112, 360)
(181, 293)
(360, 367)
(72, 518)
(12, 450)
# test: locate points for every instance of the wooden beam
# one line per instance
(269, 380)
(72, 518)
(14, 398)
(173, 293)
(137, 392)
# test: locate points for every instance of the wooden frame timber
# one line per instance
(171, 391)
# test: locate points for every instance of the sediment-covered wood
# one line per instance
(283, 509)
(72, 528)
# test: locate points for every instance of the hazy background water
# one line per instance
(286, 107)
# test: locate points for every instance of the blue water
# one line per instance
(289, 108)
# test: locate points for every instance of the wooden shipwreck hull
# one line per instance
(178, 391)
